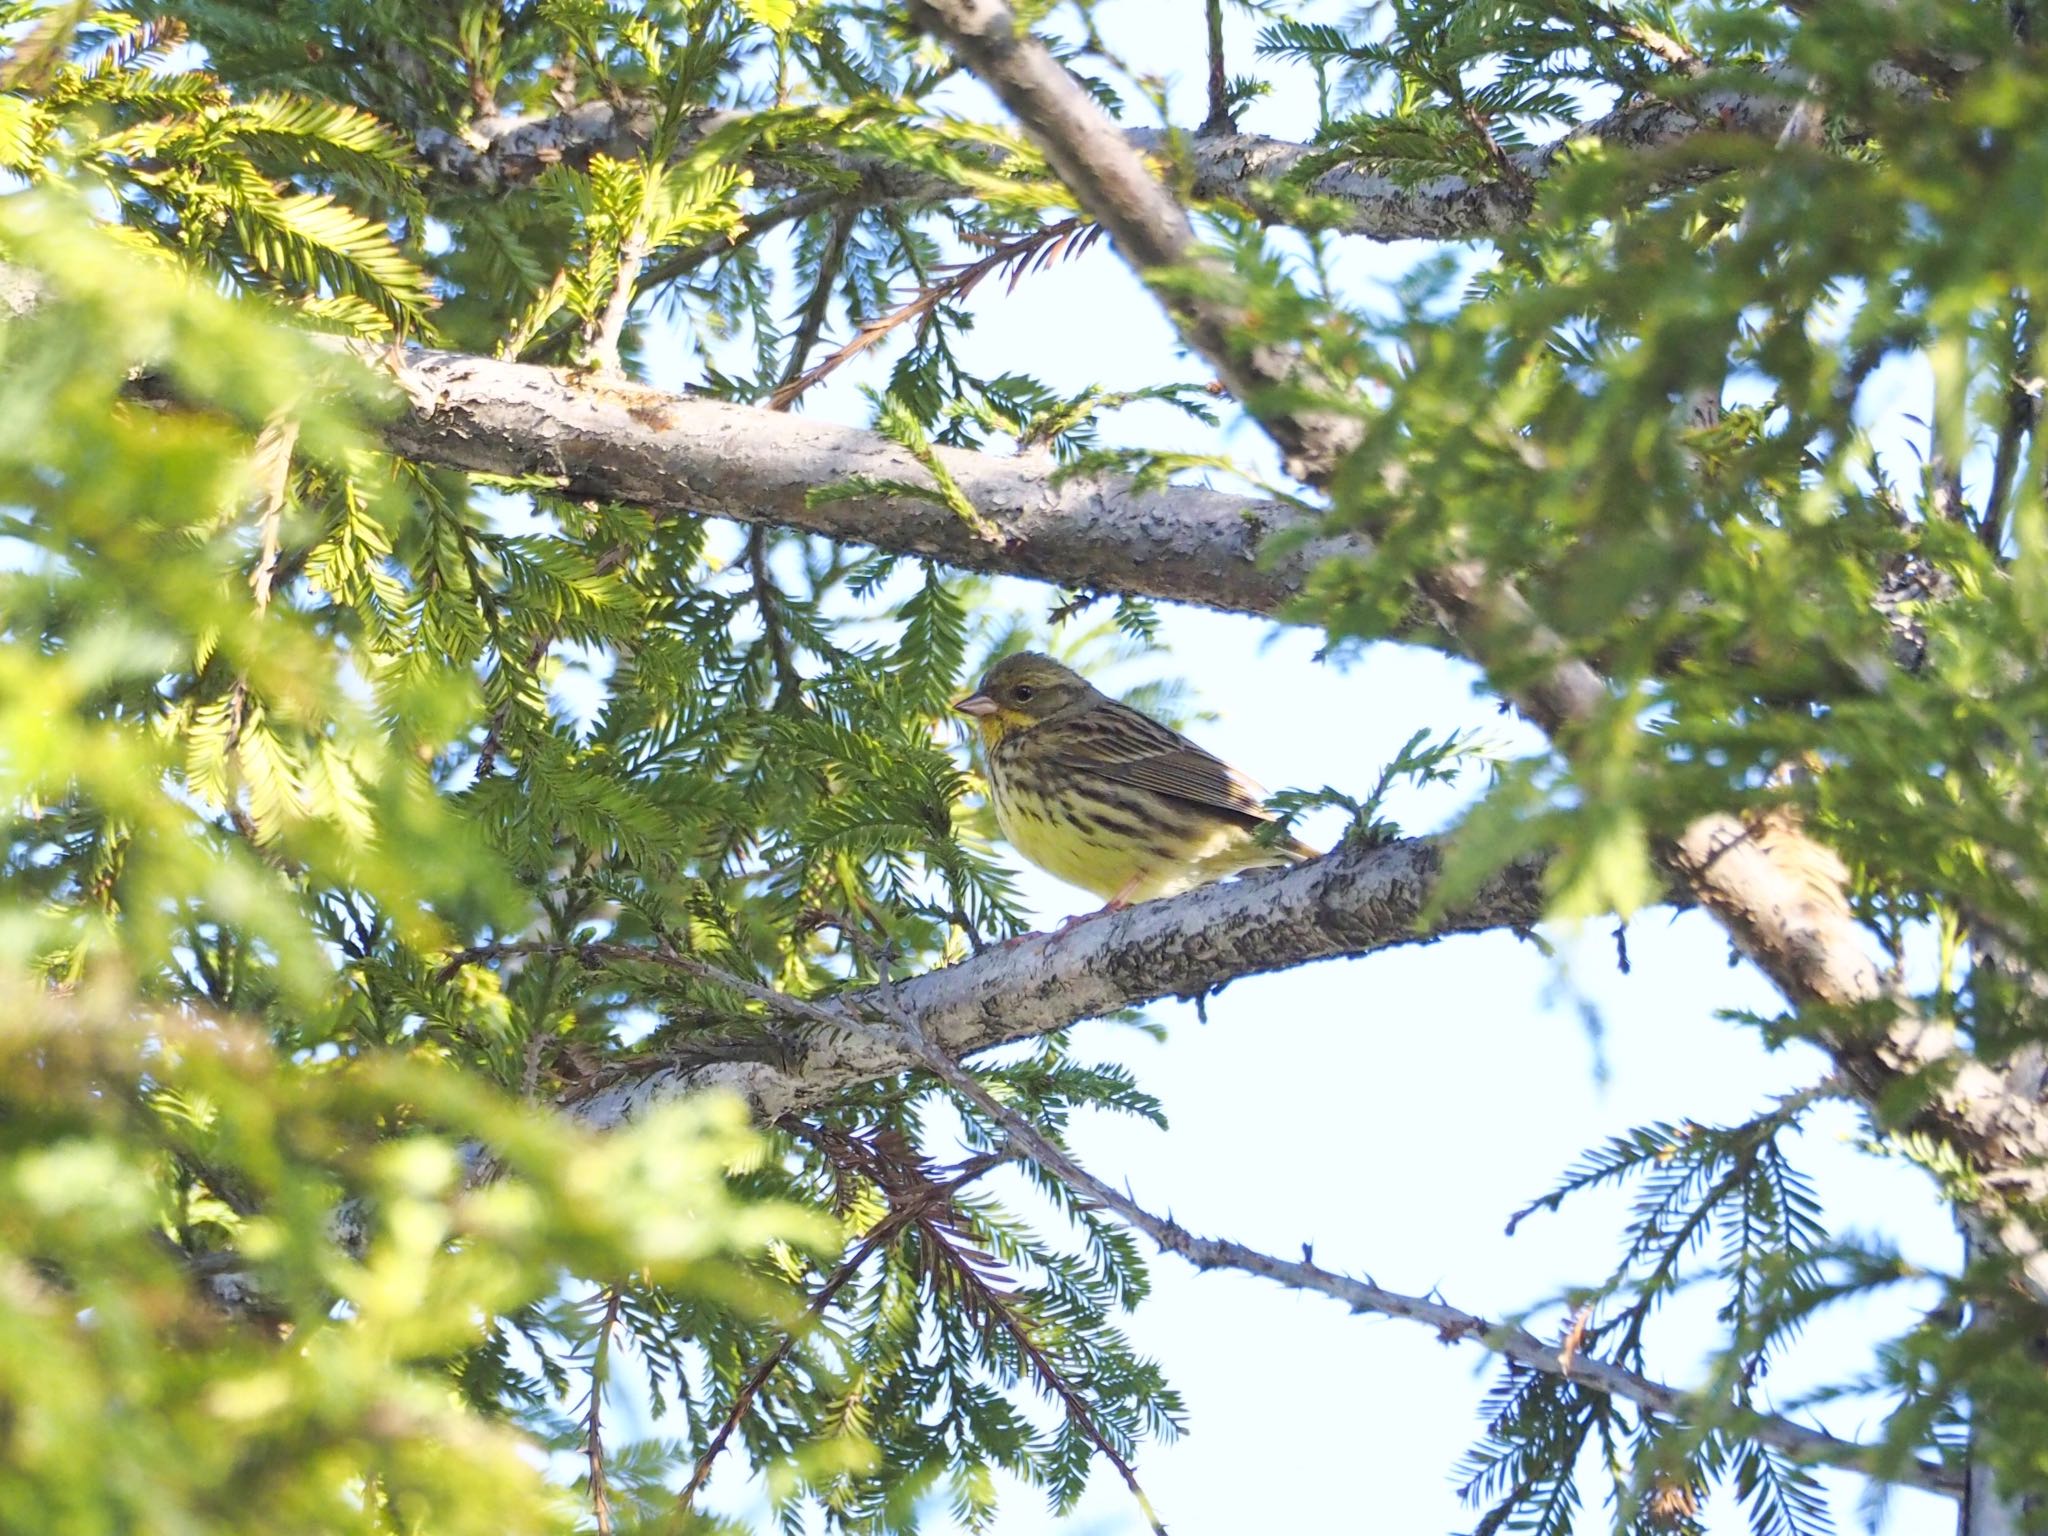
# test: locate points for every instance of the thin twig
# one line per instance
(2022, 415)
(789, 682)
(768, 598)
(1048, 1374)
(1505, 166)
(1452, 1325)
(1047, 244)
(494, 733)
(1219, 119)
(1659, 44)
(611, 326)
(238, 818)
(812, 320)
(882, 1233)
(270, 465)
(593, 1420)
(683, 262)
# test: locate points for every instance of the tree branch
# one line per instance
(595, 439)
(1452, 1325)
(500, 153)
(1352, 902)
(593, 1413)
(900, 1215)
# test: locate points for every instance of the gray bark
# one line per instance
(1985, 1509)
(1352, 902)
(1983, 1513)
(601, 440)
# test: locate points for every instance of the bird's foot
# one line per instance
(1088, 917)
(1068, 925)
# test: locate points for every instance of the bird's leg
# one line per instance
(1117, 903)
(1123, 896)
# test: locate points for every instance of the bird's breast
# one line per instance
(1059, 821)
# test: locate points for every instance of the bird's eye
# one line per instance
(1022, 693)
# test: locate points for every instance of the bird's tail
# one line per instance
(1284, 851)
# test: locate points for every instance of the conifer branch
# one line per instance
(1046, 245)
(1351, 902)
(768, 598)
(907, 1178)
(1452, 1324)
(602, 336)
(593, 1415)
(630, 444)
(270, 468)
(903, 1211)
(1658, 44)
(1225, 166)
(986, 1298)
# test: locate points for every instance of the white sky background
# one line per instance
(1395, 1110)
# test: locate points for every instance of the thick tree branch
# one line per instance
(1352, 902)
(591, 438)
(608, 440)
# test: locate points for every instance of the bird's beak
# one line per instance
(975, 704)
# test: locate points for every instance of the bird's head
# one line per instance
(1024, 690)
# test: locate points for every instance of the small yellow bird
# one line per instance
(1107, 799)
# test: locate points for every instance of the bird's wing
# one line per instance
(1117, 743)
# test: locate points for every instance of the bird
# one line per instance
(1108, 799)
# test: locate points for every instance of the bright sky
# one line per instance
(1393, 1111)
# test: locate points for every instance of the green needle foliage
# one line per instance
(366, 821)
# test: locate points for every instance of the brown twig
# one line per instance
(494, 733)
(593, 1422)
(997, 1306)
(1219, 119)
(1505, 167)
(882, 1233)
(1452, 1325)
(683, 262)
(789, 683)
(243, 823)
(768, 598)
(1047, 245)
(812, 320)
(964, 1265)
